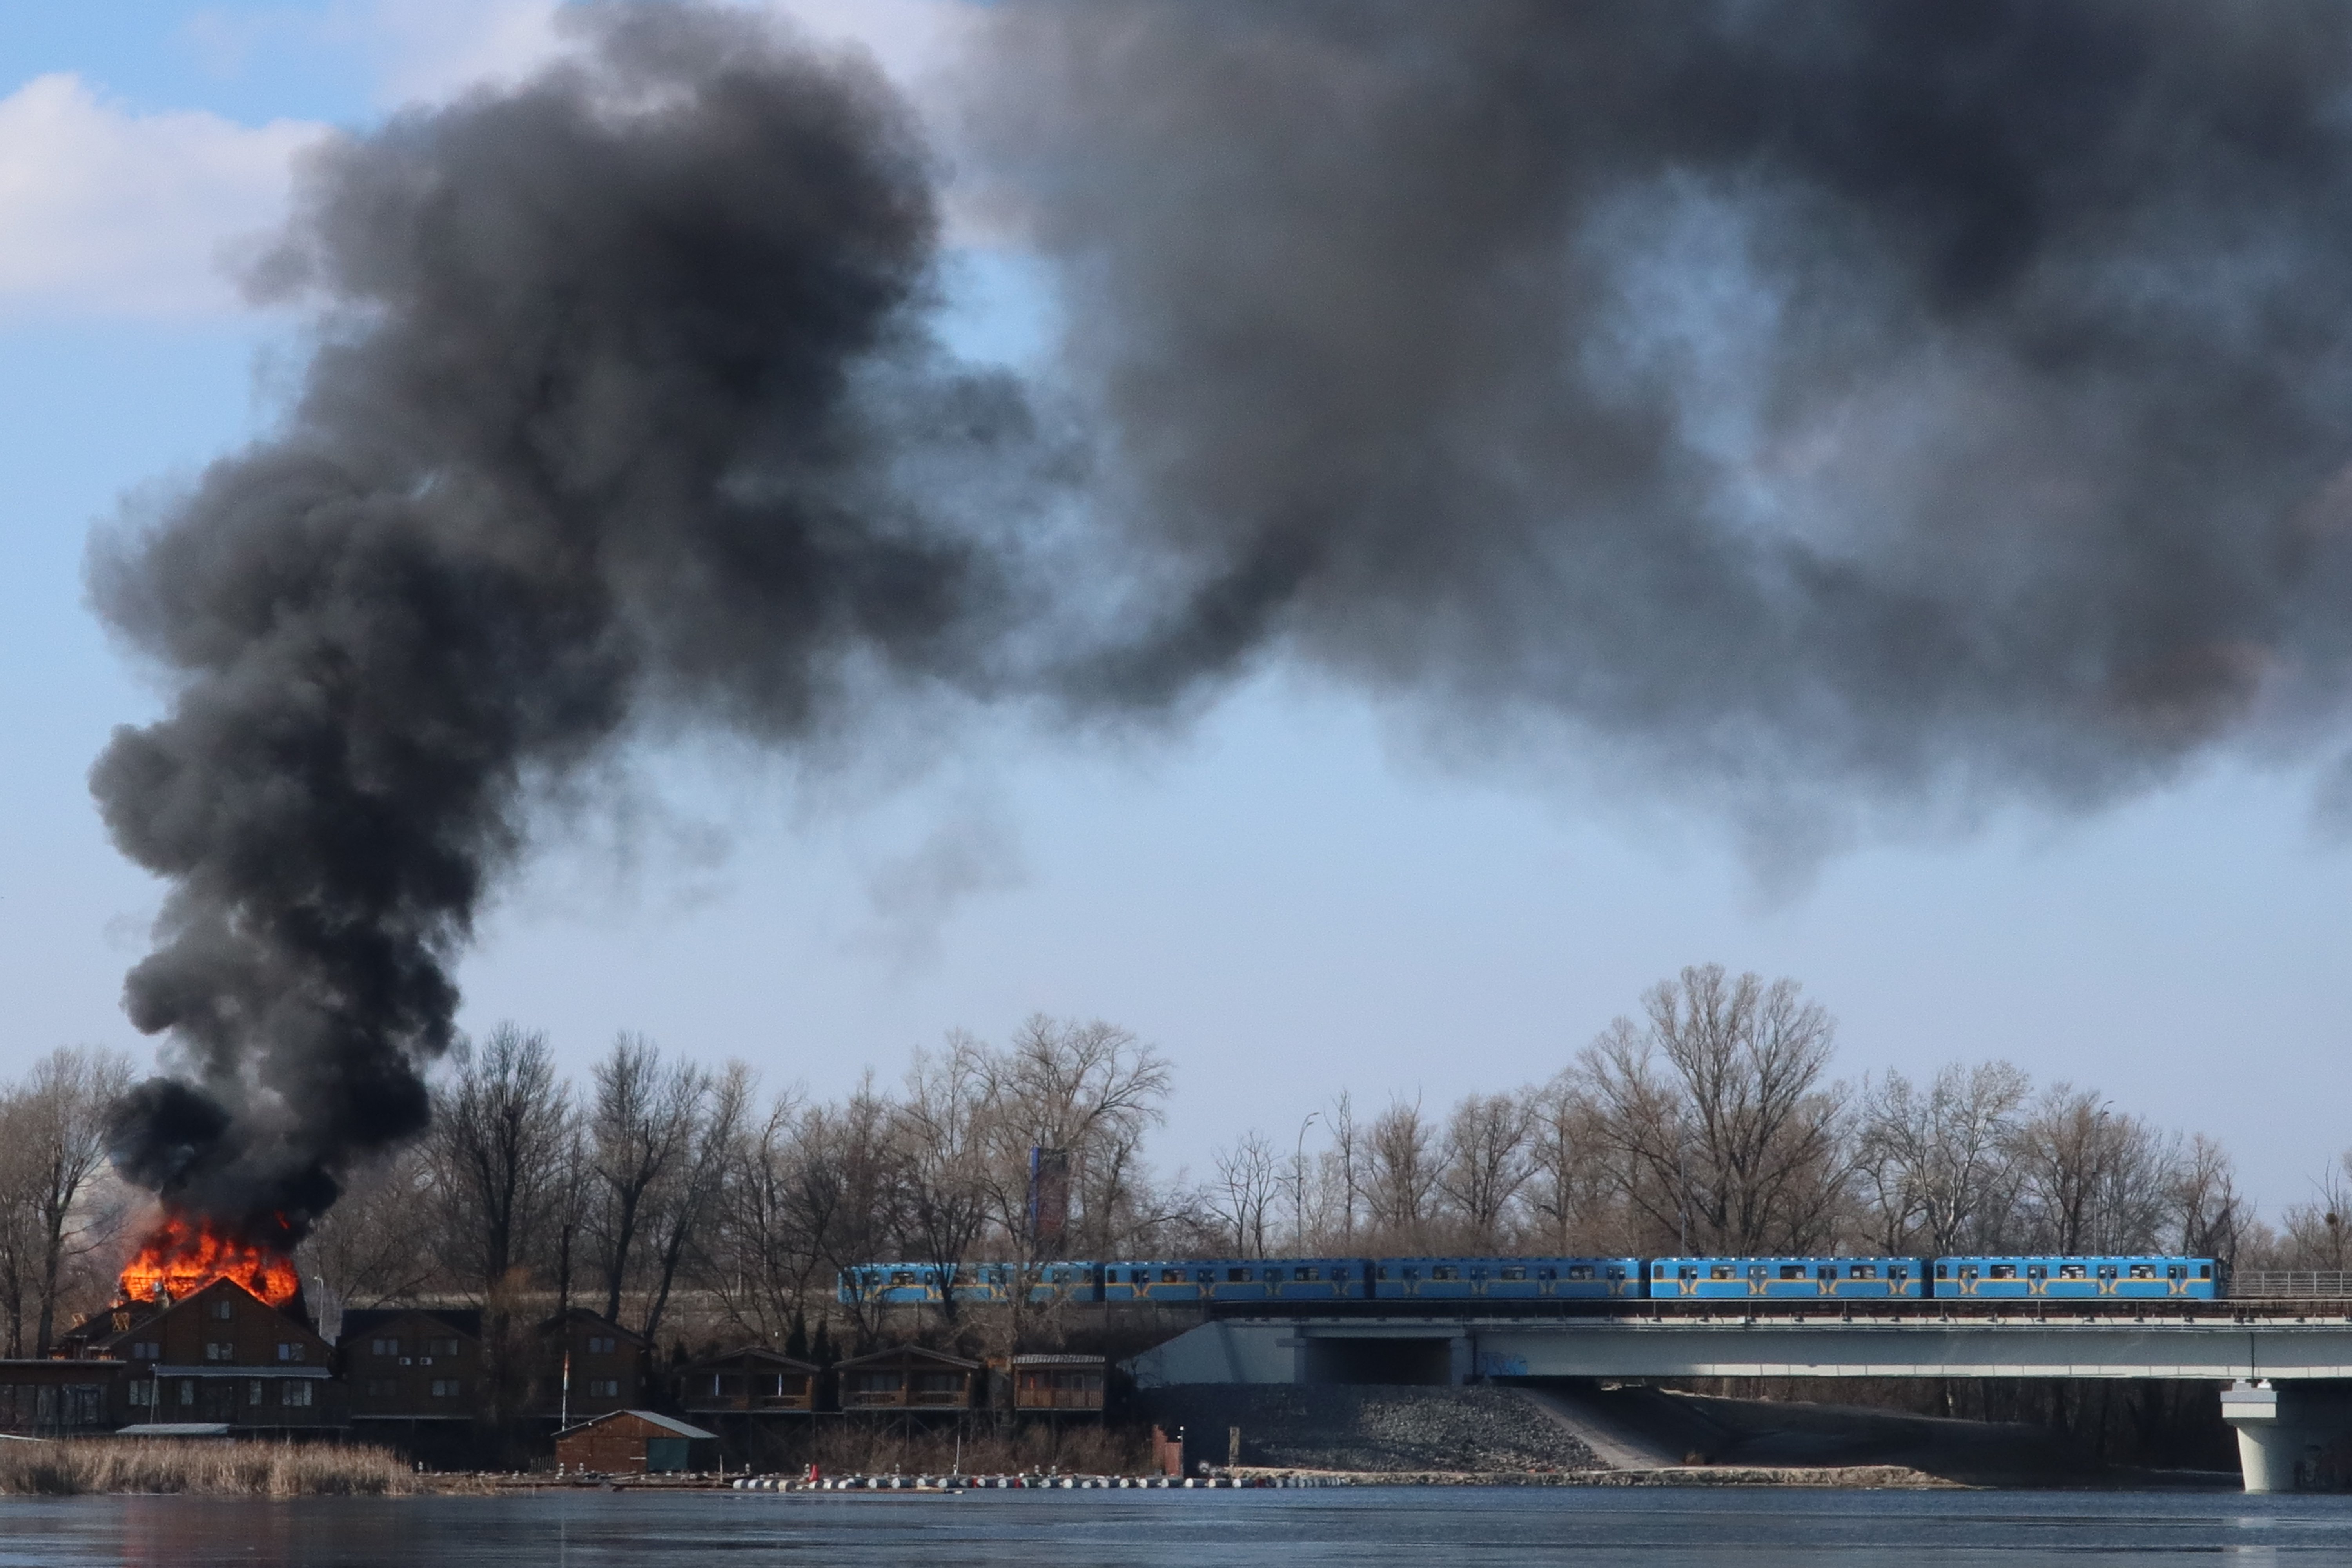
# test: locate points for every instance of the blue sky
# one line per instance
(1289, 897)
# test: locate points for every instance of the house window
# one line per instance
(142, 1393)
(294, 1392)
(219, 1350)
(445, 1388)
(604, 1388)
(188, 1391)
(147, 1350)
(600, 1344)
(221, 1310)
(253, 1391)
(289, 1350)
(384, 1347)
(441, 1347)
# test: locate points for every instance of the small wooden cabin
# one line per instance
(636, 1443)
(1067, 1384)
(755, 1382)
(907, 1377)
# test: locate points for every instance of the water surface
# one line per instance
(1361, 1527)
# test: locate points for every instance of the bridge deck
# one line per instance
(2220, 1341)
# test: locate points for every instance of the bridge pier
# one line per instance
(2292, 1435)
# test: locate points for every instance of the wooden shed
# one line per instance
(1067, 1383)
(906, 1377)
(754, 1382)
(634, 1443)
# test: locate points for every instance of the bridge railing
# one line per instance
(2295, 1284)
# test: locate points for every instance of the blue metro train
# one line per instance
(1434, 1279)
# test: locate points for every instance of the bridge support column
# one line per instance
(2292, 1437)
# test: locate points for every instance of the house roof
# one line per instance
(1061, 1361)
(759, 1353)
(174, 1429)
(907, 1352)
(143, 1326)
(667, 1424)
(582, 1314)
(463, 1321)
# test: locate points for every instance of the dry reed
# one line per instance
(73, 1466)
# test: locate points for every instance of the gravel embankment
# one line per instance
(1379, 1428)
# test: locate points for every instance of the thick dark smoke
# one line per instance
(1826, 407)
(1811, 407)
(622, 397)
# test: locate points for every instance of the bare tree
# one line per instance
(1401, 1184)
(2093, 1179)
(943, 1139)
(1248, 1181)
(1091, 1090)
(698, 1177)
(1716, 1110)
(364, 1252)
(1343, 1163)
(498, 1132)
(1483, 1163)
(640, 1127)
(1938, 1164)
(2205, 1193)
(1572, 1180)
(58, 1131)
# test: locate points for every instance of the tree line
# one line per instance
(690, 1203)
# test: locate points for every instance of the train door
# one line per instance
(2037, 1279)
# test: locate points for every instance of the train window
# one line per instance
(1554, 1273)
(2204, 1271)
(1339, 1271)
(1863, 1272)
(1514, 1274)
(1793, 1271)
(2174, 1271)
(1306, 1274)
(1584, 1272)
(1171, 1277)
(1381, 1272)
(2143, 1271)
(1968, 1270)
(1445, 1271)
(1898, 1271)
(1719, 1271)
(903, 1277)
(2003, 1271)
(1943, 1271)
(1829, 1271)
(1690, 1271)
(1662, 1271)
(1205, 1276)
(1617, 1271)
(2106, 1271)
(1412, 1273)
(1273, 1275)
(1237, 1274)
(2037, 1272)
(2072, 1271)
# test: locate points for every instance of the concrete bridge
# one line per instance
(2285, 1380)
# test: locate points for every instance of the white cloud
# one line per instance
(106, 212)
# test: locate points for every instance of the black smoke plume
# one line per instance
(1819, 408)
(621, 400)
(1816, 408)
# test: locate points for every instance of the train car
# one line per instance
(2080, 1277)
(896, 1284)
(1798, 1278)
(1052, 1284)
(1504, 1278)
(1238, 1280)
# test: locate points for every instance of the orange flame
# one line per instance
(184, 1254)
